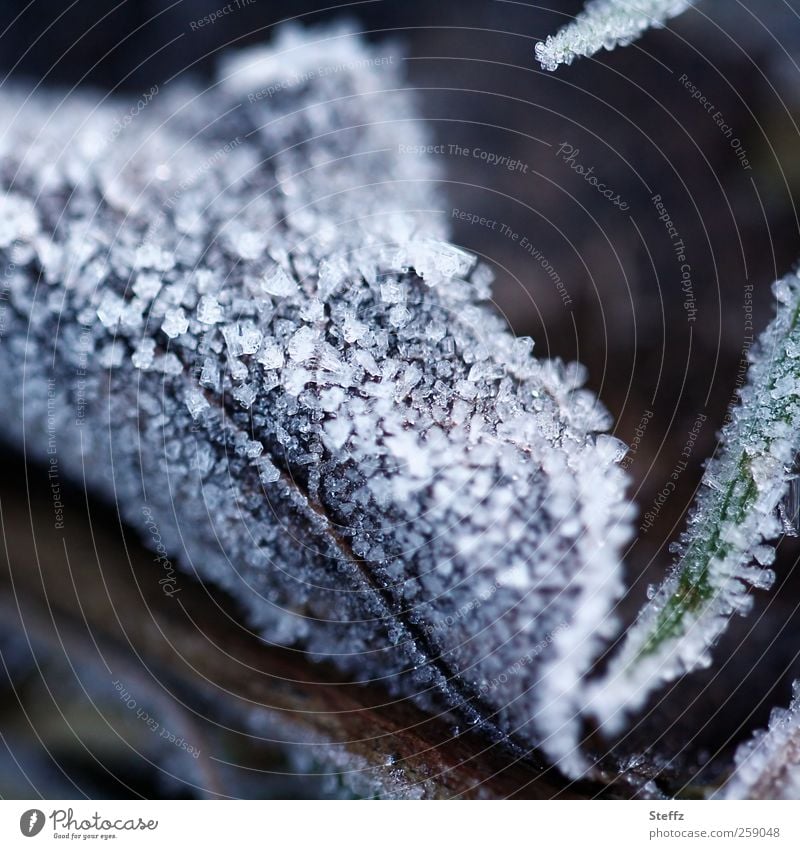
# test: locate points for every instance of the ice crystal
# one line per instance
(768, 765)
(605, 24)
(175, 323)
(722, 552)
(313, 396)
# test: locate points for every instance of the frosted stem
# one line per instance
(768, 765)
(734, 515)
(605, 24)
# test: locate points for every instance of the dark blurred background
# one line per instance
(599, 284)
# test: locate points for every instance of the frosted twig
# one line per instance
(605, 24)
(768, 765)
(735, 513)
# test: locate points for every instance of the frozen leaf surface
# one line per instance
(605, 24)
(237, 317)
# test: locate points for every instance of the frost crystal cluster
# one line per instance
(768, 766)
(605, 24)
(234, 314)
(722, 552)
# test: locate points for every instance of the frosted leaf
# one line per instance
(768, 765)
(349, 422)
(734, 515)
(605, 24)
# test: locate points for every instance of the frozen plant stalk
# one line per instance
(722, 551)
(605, 24)
(768, 765)
(243, 314)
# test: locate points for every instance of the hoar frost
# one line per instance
(723, 552)
(305, 385)
(605, 24)
(768, 765)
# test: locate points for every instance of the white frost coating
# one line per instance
(310, 392)
(768, 765)
(605, 24)
(297, 58)
(722, 553)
